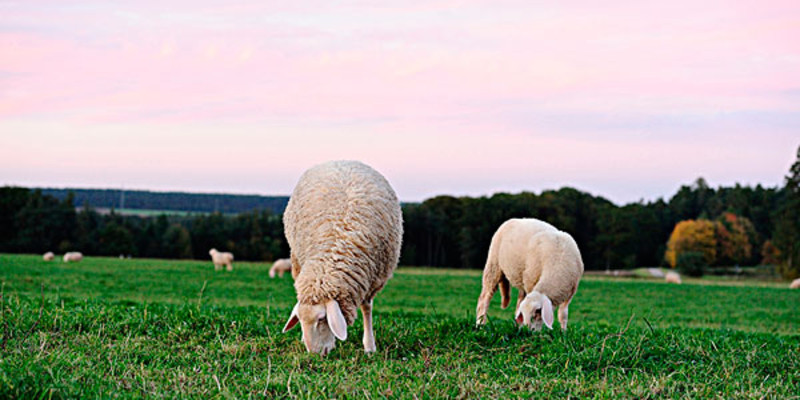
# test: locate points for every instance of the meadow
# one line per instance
(113, 328)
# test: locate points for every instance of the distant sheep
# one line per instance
(344, 226)
(543, 263)
(280, 267)
(221, 258)
(73, 256)
(49, 256)
(795, 284)
(672, 277)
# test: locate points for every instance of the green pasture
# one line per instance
(107, 327)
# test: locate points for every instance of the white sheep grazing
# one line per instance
(49, 256)
(543, 263)
(221, 258)
(73, 256)
(344, 226)
(280, 267)
(672, 277)
(795, 284)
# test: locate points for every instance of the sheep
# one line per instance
(672, 277)
(795, 284)
(344, 226)
(543, 263)
(73, 256)
(221, 258)
(49, 256)
(280, 267)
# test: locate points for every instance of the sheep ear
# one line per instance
(336, 319)
(293, 319)
(547, 311)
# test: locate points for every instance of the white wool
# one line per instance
(537, 259)
(220, 259)
(344, 226)
(280, 267)
(672, 277)
(73, 256)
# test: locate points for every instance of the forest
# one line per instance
(170, 201)
(738, 225)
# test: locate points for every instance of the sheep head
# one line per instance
(322, 324)
(535, 309)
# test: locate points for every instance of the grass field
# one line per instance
(140, 328)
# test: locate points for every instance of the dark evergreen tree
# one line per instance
(787, 225)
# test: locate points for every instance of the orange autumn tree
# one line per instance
(692, 236)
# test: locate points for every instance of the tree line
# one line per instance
(33, 222)
(173, 201)
(751, 225)
(456, 232)
(444, 231)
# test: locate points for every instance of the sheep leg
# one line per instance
(563, 314)
(369, 336)
(217, 267)
(505, 292)
(492, 277)
(229, 267)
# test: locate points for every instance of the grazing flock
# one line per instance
(344, 227)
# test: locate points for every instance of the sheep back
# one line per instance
(511, 250)
(344, 226)
(554, 265)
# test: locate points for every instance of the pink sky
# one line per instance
(624, 99)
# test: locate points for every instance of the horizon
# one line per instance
(488, 195)
(627, 101)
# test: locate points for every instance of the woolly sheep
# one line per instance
(672, 277)
(280, 267)
(795, 284)
(49, 256)
(73, 256)
(543, 263)
(344, 226)
(221, 258)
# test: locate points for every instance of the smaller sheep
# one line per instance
(672, 277)
(280, 267)
(543, 263)
(73, 256)
(221, 258)
(49, 256)
(795, 284)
